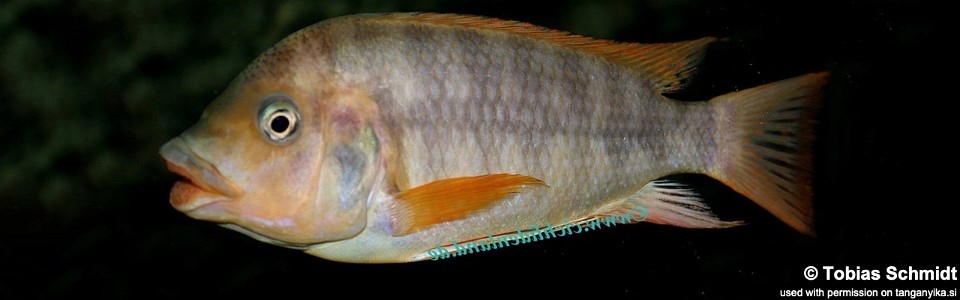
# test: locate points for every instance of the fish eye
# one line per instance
(279, 118)
(280, 123)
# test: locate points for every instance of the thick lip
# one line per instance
(202, 183)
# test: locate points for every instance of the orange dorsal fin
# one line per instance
(453, 199)
(668, 66)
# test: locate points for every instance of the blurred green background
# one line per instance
(89, 90)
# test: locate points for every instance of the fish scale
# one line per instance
(516, 124)
(418, 131)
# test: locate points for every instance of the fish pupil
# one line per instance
(279, 124)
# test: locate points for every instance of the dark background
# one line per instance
(89, 90)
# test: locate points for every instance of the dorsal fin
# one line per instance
(668, 66)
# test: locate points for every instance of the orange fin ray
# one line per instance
(668, 66)
(453, 199)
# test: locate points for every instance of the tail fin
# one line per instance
(765, 135)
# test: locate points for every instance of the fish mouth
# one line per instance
(201, 183)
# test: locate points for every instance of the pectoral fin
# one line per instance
(453, 199)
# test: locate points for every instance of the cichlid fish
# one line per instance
(372, 138)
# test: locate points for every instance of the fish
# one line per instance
(384, 138)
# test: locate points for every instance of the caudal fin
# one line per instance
(766, 134)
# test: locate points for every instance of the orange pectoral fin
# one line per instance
(453, 199)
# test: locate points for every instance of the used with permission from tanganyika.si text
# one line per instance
(884, 293)
(536, 233)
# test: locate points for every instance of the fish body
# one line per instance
(378, 138)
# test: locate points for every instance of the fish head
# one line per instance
(291, 160)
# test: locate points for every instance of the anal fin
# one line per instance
(670, 203)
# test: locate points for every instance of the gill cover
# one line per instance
(349, 172)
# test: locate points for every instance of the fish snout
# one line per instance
(202, 184)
